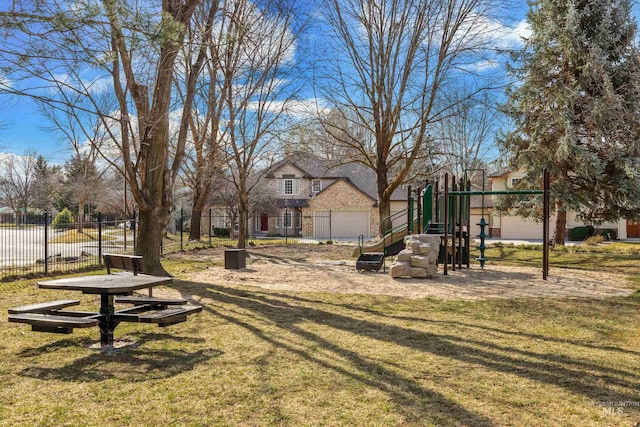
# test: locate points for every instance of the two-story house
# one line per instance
(316, 198)
(516, 227)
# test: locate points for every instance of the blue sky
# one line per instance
(24, 128)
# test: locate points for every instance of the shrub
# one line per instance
(578, 233)
(63, 220)
(594, 240)
(590, 229)
(607, 233)
(221, 232)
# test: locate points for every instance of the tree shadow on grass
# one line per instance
(628, 304)
(130, 364)
(249, 309)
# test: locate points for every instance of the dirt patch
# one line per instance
(330, 268)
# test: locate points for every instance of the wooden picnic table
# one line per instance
(49, 317)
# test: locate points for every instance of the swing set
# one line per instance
(453, 208)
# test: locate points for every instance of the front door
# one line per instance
(632, 228)
(264, 222)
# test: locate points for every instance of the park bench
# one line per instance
(153, 302)
(46, 317)
(170, 316)
(44, 307)
(133, 264)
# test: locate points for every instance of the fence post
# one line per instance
(46, 242)
(100, 239)
(134, 227)
(181, 228)
(209, 227)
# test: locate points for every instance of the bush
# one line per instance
(63, 220)
(221, 232)
(590, 229)
(607, 233)
(578, 233)
(594, 240)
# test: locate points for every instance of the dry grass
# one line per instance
(260, 357)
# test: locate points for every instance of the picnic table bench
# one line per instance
(48, 316)
(52, 317)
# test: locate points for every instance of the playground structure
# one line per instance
(448, 214)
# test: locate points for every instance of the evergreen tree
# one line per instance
(577, 109)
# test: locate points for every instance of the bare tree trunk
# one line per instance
(150, 246)
(243, 209)
(80, 220)
(199, 200)
(561, 223)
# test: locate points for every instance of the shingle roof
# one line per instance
(359, 175)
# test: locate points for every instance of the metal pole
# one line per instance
(330, 233)
(545, 225)
(210, 227)
(46, 242)
(420, 231)
(437, 221)
(134, 228)
(410, 211)
(460, 207)
(100, 239)
(454, 201)
(286, 234)
(125, 212)
(181, 226)
(468, 237)
(446, 223)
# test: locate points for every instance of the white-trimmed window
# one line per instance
(515, 181)
(285, 220)
(316, 186)
(289, 186)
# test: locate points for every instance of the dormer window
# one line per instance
(316, 186)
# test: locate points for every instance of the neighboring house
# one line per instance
(516, 227)
(7, 215)
(316, 199)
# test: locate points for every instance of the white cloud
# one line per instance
(300, 109)
(513, 36)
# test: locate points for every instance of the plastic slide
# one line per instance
(380, 245)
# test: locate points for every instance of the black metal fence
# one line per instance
(287, 227)
(37, 245)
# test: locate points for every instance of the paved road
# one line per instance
(23, 246)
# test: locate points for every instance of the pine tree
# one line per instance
(577, 109)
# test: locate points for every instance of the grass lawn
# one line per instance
(259, 357)
(87, 235)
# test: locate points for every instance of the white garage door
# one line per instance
(340, 224)
(515, 227)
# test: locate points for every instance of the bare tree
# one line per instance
(56, 47)
(17, 181)
(203, 157)
(391, 63)
(255, 52)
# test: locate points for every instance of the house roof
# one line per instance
(291, 203)
(359, 175)
(348, 181)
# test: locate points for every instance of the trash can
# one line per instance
(235, 259)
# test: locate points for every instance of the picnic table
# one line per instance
(53, 316)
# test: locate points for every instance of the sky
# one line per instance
(24, 129)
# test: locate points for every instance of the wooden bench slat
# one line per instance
(150, 300)
(168, 314)
(44, 307)
(52, 320)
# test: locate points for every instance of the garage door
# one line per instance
(340, 224)
(515, 227)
